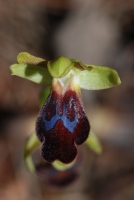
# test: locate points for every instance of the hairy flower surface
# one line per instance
(62, 123)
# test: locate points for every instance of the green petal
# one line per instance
(26, 58)
(93, 143)
(31, 145)
(59, 67)
(98, 78)
(61, 166)
(33, 73)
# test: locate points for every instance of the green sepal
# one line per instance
(61, 166)
(98, 77)
(33, 73)
(93, 143)
(59, 67)
(31, 145)
(26, 58)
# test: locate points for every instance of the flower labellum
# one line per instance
(62, 123)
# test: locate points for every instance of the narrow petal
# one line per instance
(26, 58)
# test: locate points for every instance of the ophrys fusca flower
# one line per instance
(62, 123)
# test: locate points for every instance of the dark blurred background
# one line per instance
(95, 32)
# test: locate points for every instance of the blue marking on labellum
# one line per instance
(70, 125)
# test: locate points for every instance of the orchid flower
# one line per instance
(62, 123)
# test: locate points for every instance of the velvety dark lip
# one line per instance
(60, 125)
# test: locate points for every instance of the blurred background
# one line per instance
(95, 32)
